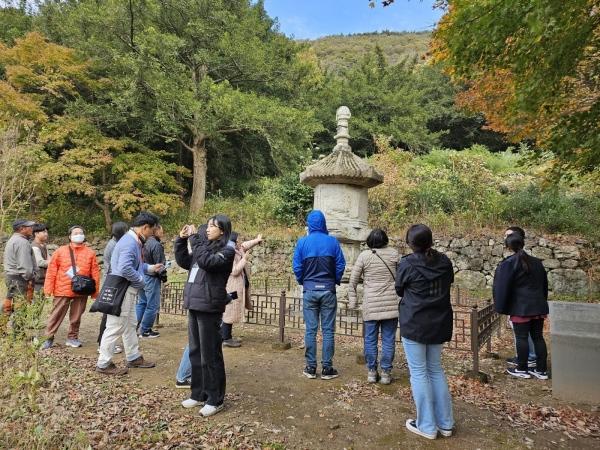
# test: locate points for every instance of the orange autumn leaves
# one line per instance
(533, 70)
(39, 78)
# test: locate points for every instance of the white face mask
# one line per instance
(78, 238)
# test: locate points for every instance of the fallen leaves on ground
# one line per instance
(565, 419)
(81, 408)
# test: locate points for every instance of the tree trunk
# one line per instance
(107, 217)
(199, 183)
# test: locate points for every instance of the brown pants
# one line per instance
(76, 308)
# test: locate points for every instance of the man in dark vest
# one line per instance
(40, 253)
(148, 303)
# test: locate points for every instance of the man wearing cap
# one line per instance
(19, 264)
(40, 254)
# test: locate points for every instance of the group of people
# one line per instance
(31, 273)
(25, 263)
(412, 292)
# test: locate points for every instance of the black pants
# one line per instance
(206, 357)
(102, 328)
(535, 329)
(226, 329)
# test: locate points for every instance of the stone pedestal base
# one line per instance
(575, 334)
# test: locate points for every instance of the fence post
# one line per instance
(489, 342)
(475, 338)
(458, 295)
(282, 344)
(282, 316)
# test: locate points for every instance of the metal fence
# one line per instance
(269, 284)
(475, 320)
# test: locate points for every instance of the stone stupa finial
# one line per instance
(341, 166)
(341, 116)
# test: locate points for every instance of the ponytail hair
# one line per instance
(516, 242)
(420, 239)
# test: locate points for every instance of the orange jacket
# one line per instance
(58, 282)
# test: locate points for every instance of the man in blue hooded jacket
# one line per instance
(319, 265)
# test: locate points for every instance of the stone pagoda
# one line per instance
(341, 181)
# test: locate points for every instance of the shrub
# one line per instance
(456, 182)
(61, 213)
(554, 210)
(264, 208)
(454, 191)
(442, 186)
(294, 199)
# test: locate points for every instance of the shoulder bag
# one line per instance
(81, 284)
(111, 296)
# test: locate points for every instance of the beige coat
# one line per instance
(380, 301)
(234, 312)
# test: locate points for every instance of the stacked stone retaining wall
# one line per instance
(572, 264)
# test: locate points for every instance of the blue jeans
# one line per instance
(185, 366)
(148, 303)
(319, 305)
(388, 343)
(429, 386)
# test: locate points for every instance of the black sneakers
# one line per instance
(150, 334)
(540, 375)
(310, 372)
(328, 373)
(513, 362)
(232, 343)
(518, 373)
(186, 384)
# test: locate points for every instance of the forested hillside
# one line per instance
(188, 107)
(337, 53)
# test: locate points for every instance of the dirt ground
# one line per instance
(270, 401)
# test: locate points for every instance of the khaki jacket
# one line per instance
(379, 300)
(234, 312)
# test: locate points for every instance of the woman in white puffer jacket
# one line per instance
(376, 268)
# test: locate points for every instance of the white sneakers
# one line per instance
(207, 410)
(210, 410)
(372, 376)
(191, 403)
(446, 433)
(386, 377)
(411, 425)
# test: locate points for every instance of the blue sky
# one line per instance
(310, 19)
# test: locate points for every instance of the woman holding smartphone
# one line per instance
(205, 298)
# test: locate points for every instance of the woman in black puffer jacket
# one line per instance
(205, 297)
(521, 291)
(423, 280)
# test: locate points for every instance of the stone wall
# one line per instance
(568, 262)
(475, 261)
(571, 264)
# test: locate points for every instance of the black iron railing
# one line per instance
(475, 320)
